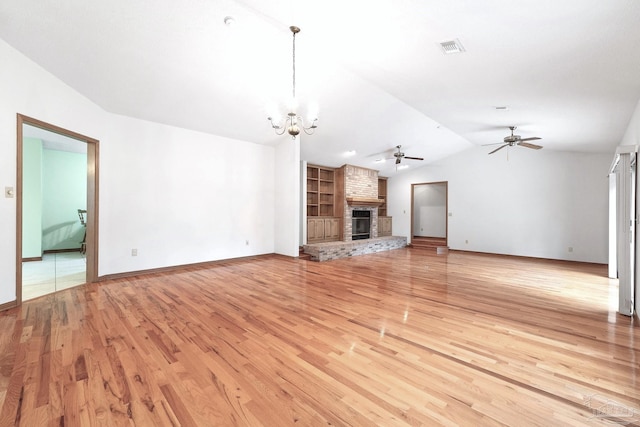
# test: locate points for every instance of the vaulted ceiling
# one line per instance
(567, 71)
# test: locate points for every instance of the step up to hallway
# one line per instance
(302, 255)
(437, 244)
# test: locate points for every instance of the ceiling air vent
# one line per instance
(452, 46)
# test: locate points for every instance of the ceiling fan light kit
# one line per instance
(513, 140)
(293, 123)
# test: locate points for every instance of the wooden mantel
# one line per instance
(364, 201)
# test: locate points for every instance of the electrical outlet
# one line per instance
(246, 242)
(9, 192)
(134, 252)
(570, 249)
(466, 241)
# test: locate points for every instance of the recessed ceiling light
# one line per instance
(501, 108)
(402, 167)
(350, 153)
(229, 21)
(380, 160)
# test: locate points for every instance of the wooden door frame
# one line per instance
(92, 197)
(446, 213)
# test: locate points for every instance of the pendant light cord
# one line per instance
(294, 66)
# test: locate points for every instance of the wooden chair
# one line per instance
(82, 213)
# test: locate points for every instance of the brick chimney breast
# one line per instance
(359, 183)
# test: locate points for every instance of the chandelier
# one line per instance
(293, 123)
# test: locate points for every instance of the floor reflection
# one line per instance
(56, 271)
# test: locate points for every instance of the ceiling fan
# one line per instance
(399, 155)
(511, 140)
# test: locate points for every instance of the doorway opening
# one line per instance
(49, 244)
(429, 220)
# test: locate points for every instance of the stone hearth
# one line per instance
(335, 250)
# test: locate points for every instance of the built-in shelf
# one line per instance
(320, 191)
(384, 221)
(382, 195)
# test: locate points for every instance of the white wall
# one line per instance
(632, 134)
(32, 198)
(287, 207)
(533, 203)
(181, 197)
(632, 137)
(64, 191)
(177, 196)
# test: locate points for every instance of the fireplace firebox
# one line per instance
(360, 224)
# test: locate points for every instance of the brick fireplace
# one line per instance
(356, 189)
(360, 193)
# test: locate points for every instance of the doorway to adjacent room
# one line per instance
(56, 246)
(429, 221)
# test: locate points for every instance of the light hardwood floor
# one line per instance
(404, 337)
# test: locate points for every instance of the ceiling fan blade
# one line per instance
(499, 148)
(528, 145)
(533, 138)
(493, 143)
(413, 158)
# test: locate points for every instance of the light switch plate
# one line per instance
(9, 192)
